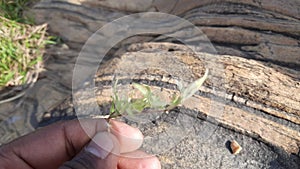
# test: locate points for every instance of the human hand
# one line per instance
(68, 145)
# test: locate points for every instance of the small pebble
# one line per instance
(235, 147)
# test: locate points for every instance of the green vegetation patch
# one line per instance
(13, 10)
(21, 49)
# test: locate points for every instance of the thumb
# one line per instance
(100, 153)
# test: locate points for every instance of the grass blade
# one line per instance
(193, 87)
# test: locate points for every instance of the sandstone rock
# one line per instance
(258, 90)
(264, 30)
(246, 82)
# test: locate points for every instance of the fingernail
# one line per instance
(101, 145)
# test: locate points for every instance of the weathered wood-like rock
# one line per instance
(252, 92)
(264, 30)
(252, 84)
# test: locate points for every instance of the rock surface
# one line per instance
(264, 30)
(239, 85)
(258, 42)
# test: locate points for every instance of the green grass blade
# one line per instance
(193, 87)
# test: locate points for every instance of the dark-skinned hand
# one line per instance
(68, 145)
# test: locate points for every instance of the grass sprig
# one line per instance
(123, 105)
